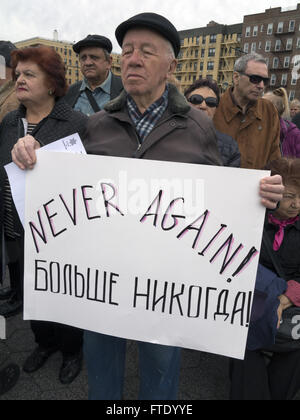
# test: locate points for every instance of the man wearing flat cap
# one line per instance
(100, 85)
(150, 119)
(8, 99)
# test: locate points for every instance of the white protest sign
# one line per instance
(160, 252)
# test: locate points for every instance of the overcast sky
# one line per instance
(74, 19)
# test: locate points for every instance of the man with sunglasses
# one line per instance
(204, 95)
(243, 115)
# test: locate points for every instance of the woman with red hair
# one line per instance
(43, 116)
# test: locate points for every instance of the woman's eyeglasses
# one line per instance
(255, 79)
(198, 100)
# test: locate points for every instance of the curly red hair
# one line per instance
(49, 61)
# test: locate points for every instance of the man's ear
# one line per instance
(172, 67)
(236, 78)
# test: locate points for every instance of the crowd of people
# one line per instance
(245, 127)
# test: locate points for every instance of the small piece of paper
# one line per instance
(70, 144)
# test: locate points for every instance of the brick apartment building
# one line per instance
(276, 35)
(210, 52)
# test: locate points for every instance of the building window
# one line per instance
(262, 28)
(278, 45)
(287, 61)
(259, 45)
(246, 48)
(280, 28)
(210, 65)
(255, 30)
(270, 29)
(292, 26)
(275, 63)
(298, 43)
(273, 80)
(213, 39)
(292, 95)
(253, 47)
(211, 52)
(289, 44)
(294, 81)
(268, 46)
(248, 31)
(284, 79)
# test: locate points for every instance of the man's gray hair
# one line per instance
(170, 50)
(242, 63)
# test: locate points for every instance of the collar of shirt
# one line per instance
(105, 86)
(249, 106)
(144, 123)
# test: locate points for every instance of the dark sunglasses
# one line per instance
(198, 99)
(255, 79)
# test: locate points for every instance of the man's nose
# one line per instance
(88, 61)
(135, 57)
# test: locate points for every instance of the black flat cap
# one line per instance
(93, 41)
(6, 48)
(154, 22)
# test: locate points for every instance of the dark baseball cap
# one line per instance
(6, 47)
(154, 22)
(93, 41)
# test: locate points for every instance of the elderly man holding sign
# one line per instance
(149, 120)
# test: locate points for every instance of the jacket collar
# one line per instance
(177, 102)
(231, 109)
(61, 111)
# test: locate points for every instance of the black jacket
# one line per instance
(74, 90)
(229, 150)
(288, 254)
(62, 122)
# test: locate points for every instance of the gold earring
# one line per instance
(50, 92)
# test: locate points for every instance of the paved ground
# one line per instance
(203, 376)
